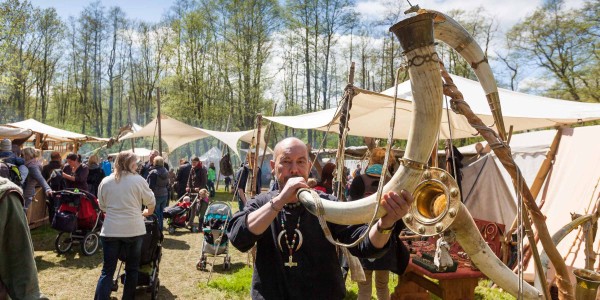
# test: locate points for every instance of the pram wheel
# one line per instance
(155, 288)
(171, 230)
(201, 264)
(227, 263)
(63, 242)
(89, 245)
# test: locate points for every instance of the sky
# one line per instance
(507, 12)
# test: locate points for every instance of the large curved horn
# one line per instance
(416, 37)
(450, 32)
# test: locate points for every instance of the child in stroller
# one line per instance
(149, 259)
(215, 240)
(79, 220)
(178, 215)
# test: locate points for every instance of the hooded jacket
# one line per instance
(158, 180)
(18, 272)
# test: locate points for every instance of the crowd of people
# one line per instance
(282, 269)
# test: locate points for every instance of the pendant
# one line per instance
(290, 263)
(300, 240)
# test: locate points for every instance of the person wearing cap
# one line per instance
(196, 181)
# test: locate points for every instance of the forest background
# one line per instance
(95, 72)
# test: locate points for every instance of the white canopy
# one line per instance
(13, 133)
(54, 133)
(176, 133)
(572, 187)
(371, 112)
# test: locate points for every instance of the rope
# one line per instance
(319, 203)
(520, 236)
(451, 138)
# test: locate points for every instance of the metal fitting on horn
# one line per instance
(587, 284)
(433, 202)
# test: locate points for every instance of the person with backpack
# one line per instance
(34, 178)
(12, 166)
(396, 259)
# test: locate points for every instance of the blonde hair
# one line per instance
(122, 163)
(30, 153)
(159, 161)
(203, 192)
(93, 159)
(378, 157)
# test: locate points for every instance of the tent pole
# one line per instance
(255, 160)
(268, 135)
(222, 146)
(504, 155)
(130, 122)
(158, 120)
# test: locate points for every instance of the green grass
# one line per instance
(238, 283)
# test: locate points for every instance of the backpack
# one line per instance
(225, 165)
(10, 171)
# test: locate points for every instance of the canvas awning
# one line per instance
(53, 133)
(371, 112)
(176, 133)
(7, 132)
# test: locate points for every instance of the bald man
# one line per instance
(294, 260)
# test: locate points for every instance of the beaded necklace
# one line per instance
(290, 244)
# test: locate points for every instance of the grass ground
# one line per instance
(74, 276)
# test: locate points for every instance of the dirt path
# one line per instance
(74, 276)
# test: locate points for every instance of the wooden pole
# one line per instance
(268, 135)
(158, 117)
(565, 287)
(130, 122)
(222, 146)
(256, 166)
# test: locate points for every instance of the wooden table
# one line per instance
(457, 285)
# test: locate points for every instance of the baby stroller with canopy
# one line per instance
(178, 215)
(79, 220)
(215, 240)
(149, 259)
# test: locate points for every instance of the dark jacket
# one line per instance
(396, 259)
(51, 166)
(95, 176)
(183, 173)
(81, 176)
(158, 180)
(198, 178)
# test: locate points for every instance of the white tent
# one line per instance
(142, 153)
(176, 133)
(53, 133)
(573, 187)
(371, 112)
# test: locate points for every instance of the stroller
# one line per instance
(79, 220)
(149, 259)
(215, 242)
(178, 215)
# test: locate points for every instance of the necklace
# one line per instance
(292, 205)
(290, 244)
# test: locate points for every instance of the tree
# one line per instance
(562, 43)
